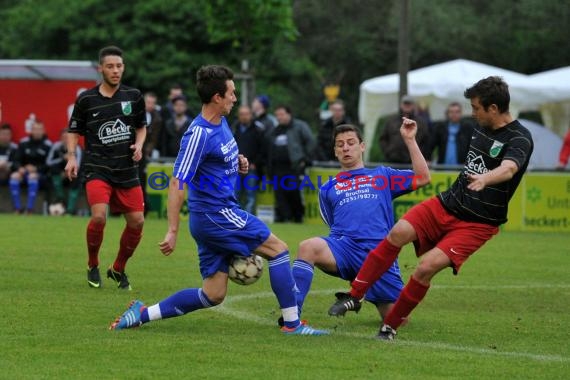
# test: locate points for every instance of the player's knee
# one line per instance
(216, 297)
(425, 271)
(98, 219)
(16, 176)
(136, 223)
(306, 251)
(401, 234)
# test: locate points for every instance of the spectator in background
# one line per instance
(30, 166)
(391, 142)
(452, 137)
(249, 136)
(564, 152)
(260, 108)
(56, 161)
(154, 125)
(325, 145)
(167, 110)
(153, 130)
(8, 150)
(174, 128)
(291, 148)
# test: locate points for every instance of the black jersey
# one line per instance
(487, 150)
(8, 154)
(33, 152)
(108, 125)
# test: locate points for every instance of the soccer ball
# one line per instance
(56, 209)
(245, 270)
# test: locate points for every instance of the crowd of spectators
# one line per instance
(277, 143)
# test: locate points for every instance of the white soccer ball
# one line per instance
(245, 270)
(56, 209)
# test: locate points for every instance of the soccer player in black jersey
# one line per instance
(448, 228)
(111, 117)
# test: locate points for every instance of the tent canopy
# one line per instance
(436, 86)
(48, 70)
(547, 145)
(556, 112)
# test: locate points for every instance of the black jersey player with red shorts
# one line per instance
(111, 117)
(450, 227)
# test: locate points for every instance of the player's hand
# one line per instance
(243, 164)
(168, 244)
(71, 168)
(476, 182)
(137, 152)
(408, 129)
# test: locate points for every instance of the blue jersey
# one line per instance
(208, 163)
(358, 203)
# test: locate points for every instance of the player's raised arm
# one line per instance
(420, 167)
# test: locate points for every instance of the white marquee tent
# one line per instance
(556, 113)
(547, 146)
(436, 86)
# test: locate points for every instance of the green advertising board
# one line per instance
(541, 202)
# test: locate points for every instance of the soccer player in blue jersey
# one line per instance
(208, 163)
(357, 206)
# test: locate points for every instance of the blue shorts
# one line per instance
(224, 234)
(350, 254)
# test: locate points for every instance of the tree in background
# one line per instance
(294, 47)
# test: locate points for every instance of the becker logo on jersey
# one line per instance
(475, 164)
(114, 131)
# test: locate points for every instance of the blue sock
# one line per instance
(15, 192)
(284, 288)
(180, 303)
(303, 275)
(33, 185)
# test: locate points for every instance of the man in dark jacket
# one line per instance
(452, 137)
(325, 146)
(391, 141)
(174, 128)
(291, 149)
(249, 136)
(30, 166)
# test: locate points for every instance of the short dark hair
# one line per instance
(490, 90)
(6, 126)
(343, 128)
(211, 80)
(285, 108)
(109, 50)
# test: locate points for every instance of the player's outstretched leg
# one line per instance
(344, 302)
(303, 329)
(130, 318)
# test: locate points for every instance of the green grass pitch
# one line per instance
(506, 316)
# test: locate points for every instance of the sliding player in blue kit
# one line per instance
(208, 163)
(357, 206)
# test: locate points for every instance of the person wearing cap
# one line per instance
(391, 142)
(174, 128)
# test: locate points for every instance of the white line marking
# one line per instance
(225, 308)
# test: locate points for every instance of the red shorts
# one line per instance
(119, 199)
(436, 227)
